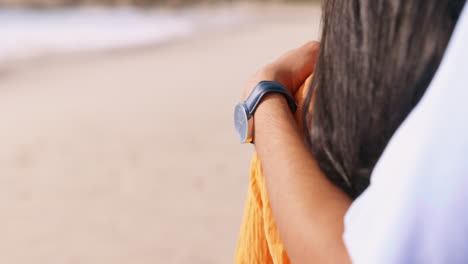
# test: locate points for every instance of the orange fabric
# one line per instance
(259, 239)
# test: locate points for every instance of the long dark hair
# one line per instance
(376, 59)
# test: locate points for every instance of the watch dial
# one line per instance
(240, 121)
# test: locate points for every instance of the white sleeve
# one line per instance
(416, 208)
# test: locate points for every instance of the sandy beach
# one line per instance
(131, 156)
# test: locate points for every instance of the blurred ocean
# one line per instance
(29, 33)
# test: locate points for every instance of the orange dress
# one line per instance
(259, 239)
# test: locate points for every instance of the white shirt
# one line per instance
(416, 208)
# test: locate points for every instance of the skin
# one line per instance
(308, 209)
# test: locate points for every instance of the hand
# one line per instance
(291, 69)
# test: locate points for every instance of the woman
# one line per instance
(374, 62)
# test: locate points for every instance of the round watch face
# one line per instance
(241, 122)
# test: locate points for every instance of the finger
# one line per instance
(301, 62)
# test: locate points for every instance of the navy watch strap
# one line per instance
(266, 87)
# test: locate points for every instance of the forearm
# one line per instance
(309, 210)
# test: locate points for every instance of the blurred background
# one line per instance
(117, 143)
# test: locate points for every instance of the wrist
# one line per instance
(271, 95)
(273, 114)
(271, 103)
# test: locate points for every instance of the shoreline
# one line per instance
(193, 4)
(248, 14)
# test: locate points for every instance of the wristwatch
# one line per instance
(244, 111)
